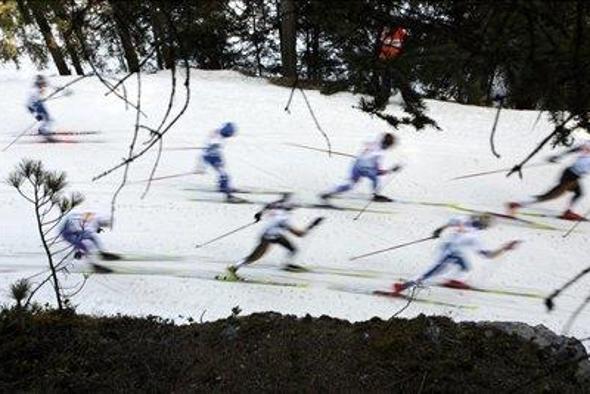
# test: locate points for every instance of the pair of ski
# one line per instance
(457, 207)
(407, 295)
(99, 268)
(399, 295)
(102, 269)
(64, 137)
(240, 200)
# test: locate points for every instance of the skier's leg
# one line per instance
(285, 243)
(223, 182)
(355, 175)
(291, 249)
(374, 178)
(215, 161)
(80, 248)
(90, 241)
(373, 175)
(256, 254)
(437, 269)
(578, 193)
(223, 176)
(567, 182)
(292, 252)
(75, 241)
(460, 275)
(42, 115)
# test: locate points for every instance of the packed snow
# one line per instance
(175, 279)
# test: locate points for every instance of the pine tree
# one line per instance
(45, 190)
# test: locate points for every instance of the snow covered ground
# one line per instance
(178, 213)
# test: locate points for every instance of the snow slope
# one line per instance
(175, 216)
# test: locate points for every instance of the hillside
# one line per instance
(180, 212)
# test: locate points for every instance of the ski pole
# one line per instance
(226, 234)
(363, 209)
(549, 300)
(319, 149)
(159, 178)
(186, 148)
(18, 136)
(392, 248)
(495, 171)
(57, 97)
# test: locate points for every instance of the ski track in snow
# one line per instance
(167, 222)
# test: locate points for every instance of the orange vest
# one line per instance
(392, 42)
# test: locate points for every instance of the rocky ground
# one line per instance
(48, 351)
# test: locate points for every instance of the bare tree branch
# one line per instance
(131, 149)
(141, 64)
(558, 129)
(160, 145)
(155, 140)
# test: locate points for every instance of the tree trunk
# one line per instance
(68, 38)
(165, 52)
(256, 43)
(158, 40)
(288, 38)
(124, 35)
(54, 49)
(56, 285)
(314, 52)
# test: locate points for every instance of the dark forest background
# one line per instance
(532, 54)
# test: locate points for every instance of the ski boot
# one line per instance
(456, 284)
(381, 198)
(511, 208)
(47, 136)
(101, 269)
(107, 256)
(399, 287)
(294, 268)
(234, 200)
(231, 274)
(571, 215)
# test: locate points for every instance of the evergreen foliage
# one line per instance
(535, 53)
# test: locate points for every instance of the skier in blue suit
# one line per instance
(213, 157)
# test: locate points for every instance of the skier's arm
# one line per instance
(492, 254)
(101, 223)
(301, 233)
(284, 198)
(436, 233)
(297, 232)
(452, 223)
(395, 168)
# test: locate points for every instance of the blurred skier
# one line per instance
(213, 157)
(81, 230)
(36, 106)
(368, 165)
(277, 216)
(568, 182)
(464, 237)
